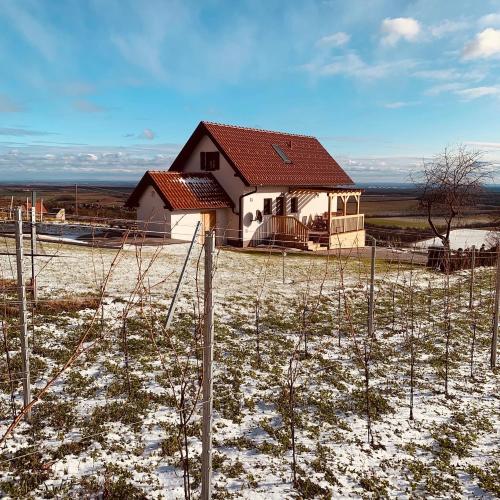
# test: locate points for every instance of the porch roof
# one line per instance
(329, 190)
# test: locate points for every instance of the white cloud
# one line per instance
(7, 105)
(148, 134)
(44, 161)
(399, 104)
(477, 92)
(486, 44)
(446, 27)
(145, 45)
(86, 106)
(398, 28)
(352, 65)
(380, 169)
(490, 20)
(451, 74)
(28, 25)
(438, 74)
(484, 145)
(22, 132)
(443, 88)
(78, 88)
(334, 40)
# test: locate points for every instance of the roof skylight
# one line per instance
(281, 154)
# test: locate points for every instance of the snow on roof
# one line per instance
(183, 191)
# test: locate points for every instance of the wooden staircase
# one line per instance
(289, 232)
(314, 246)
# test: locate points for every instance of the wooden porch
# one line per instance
(331, 229)
(287, 231)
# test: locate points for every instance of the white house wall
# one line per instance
(151, 212)
(178, 224)
(226, 177)
(254, 202)
(183, 224)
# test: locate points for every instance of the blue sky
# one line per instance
(105, 89)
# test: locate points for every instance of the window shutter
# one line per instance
(203, 160)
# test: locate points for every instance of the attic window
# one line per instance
(281, 154)
(209, 160)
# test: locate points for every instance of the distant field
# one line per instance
(420, 222)
(399, 222)
(92, 200)
(376, 204)
(383, 208)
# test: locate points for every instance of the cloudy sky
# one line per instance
(105, 89)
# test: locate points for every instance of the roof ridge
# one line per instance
(179, 173)
(257, 129)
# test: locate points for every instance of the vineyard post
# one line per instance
(23, 325)
(372, 287)
(33, 244)
(472, 266)
(494, 338)
(283, 265)
(208, 352)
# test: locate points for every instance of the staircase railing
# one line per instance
(284, 230)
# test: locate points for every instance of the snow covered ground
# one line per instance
(461, 238)
(103, 427)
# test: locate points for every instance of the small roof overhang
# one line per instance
(345, 191)
(182, 191)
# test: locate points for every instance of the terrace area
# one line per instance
(327, 230)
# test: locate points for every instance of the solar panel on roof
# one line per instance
(281, 154)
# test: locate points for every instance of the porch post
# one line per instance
(358, 199)
(329, 218)
(344, 199)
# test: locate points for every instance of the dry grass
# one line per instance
(7, 286)
(67, 305)
(52, 307)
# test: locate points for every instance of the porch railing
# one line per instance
(347, 223)
(289, 231)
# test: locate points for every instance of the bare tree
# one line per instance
(449, 184)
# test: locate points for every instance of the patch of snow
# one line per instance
(460, 238)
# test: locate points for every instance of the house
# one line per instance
(40, 209)
(253, 186)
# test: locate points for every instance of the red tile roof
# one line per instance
(252, 155)
(39, 207)
(182, 191)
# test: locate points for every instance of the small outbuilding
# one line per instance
(40, 209)
(171, 203)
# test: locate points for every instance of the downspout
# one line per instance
(240, 212)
